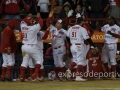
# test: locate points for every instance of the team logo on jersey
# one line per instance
(113, 30)
(61, 32)
(60, 52)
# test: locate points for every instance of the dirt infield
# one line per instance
(59, 85)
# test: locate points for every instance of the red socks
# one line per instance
(79, 70)
(85, 68)
(62, 70)
(9, 68)
(37, 69)
(57, 70)
(32, 71)
(113, 69)
(22, 72)
(72, 65)
(4, 69)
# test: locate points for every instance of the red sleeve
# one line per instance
(45, 35)
(48, 21)
(116, 35)
(98, 28)
(27, 7)
(8, 38)
(40, 21)
(89, 28)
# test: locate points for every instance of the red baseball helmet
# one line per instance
(28, 20)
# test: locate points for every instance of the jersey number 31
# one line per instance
(73, 34)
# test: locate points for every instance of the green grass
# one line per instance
(59, 85)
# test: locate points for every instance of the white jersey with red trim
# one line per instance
(77, 34)
(58, 36)
(29, 33)
(40, 34)
(107, 37)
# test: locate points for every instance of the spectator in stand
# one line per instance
(79, 10)
(43, 8)
(12, 8)
(66, 11)
(96, 9)
(114, 9)
(74, 3)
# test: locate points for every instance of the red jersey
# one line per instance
(8, 37)
(13, 6)
(94, 63)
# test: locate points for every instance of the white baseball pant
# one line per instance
(32, 62)
(58, 56)
(109, 53)
(31, 52)
(78, 54)
(8, 60)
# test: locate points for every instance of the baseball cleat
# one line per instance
(42, 79)
(31, 79)
(62, 79)
(68, 74)
(78, 78)
(22, 79)
(113, 77)
(35, 77)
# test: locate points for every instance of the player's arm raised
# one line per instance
(40, 21)
(49, 19)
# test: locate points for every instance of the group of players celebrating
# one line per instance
(76, 40)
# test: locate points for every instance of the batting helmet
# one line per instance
(28, 20)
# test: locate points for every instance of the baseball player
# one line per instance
(8, 48)
(94, 63)
(77, 35)
(29, 47)
(40, 36)
(87, 45)
(111, 36)
(58, 45)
